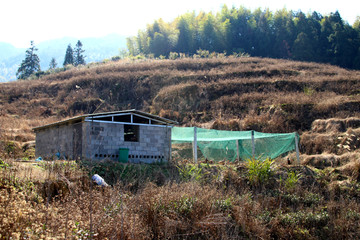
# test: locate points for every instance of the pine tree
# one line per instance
(30, 64)
(184, 42)
(53, 64)
(69, 56)
(78, 54)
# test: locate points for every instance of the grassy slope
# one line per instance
(224, 93)
(322, 102)
(193, 90)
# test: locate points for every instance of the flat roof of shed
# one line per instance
(81, 118)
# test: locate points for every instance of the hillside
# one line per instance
(318, 199)
(224, 93)
(193, 88)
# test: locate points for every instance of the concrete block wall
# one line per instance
(102, 140)
(49, 141)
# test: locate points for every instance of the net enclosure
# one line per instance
(220, 145)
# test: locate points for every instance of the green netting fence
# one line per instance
(220, 145)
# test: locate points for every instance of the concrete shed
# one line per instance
(100, 136)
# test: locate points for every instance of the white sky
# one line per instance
(24, 20)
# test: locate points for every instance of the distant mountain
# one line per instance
(96, 49)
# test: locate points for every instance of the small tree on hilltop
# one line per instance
(78, 54)
(69, 56)
(30, 64)
(53, 64)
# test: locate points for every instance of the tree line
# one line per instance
(281, 34)
(31, 64)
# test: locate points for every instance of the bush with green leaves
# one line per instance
(190, 172)
(184, 205)
(202, 53)
(258, 171)
(312, 199)
(223, 204)
(3, 164)
(291, 181)
(306, 219)
(173, 55)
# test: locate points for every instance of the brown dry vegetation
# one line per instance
(197, 89)
(258, 93)
(57, 201)
(321, 102)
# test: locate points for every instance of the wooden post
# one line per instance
(195, 145)
(237, 150)
(253, 143)
(297, 149)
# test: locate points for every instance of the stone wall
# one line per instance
(102, 140)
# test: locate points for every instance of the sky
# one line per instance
(24, 20)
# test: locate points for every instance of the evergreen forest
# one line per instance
(261, 33)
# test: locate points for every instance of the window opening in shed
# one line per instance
(157, 123)
(108, 119)
(131, 133)
(138, 119)
(122, 118)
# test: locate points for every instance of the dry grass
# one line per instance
(17, 139)
(335, 124)
(198, 90)
(221, 204)
(58, 201)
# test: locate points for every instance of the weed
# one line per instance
(3, 164)
(184, 205)
(312, 199)
(293, 200)
(306, 219)
(258, 171)
(223, 204)
(10, 149)
(80, 233)
(292, 180)
(309, 91)
(190, 172)
(265, 216)
(352, 215)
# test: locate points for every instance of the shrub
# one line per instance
(306, 219)
(3, 164)
(223, 204)
(189, 172)
(312, 199)
(258, 171)
(10, 149)
(173, 55)
(292, 180)
(203, 53)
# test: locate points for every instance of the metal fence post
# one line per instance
(195, 145)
